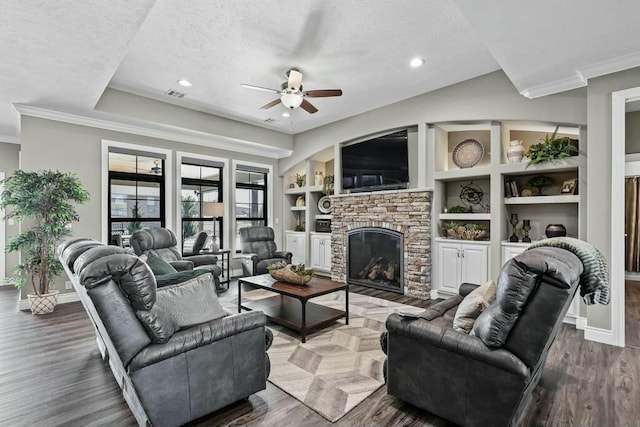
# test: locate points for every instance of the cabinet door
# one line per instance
(296, 245)
(316, 252)
(448, 277)
(474, 264)
(326, 249)
(509, 252)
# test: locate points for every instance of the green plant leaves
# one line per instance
(551, 149)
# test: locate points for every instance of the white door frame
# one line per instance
(616, 275)
(2, 238)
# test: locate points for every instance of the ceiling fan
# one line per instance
(156, 169)
(291, 93)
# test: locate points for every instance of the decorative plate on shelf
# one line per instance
(468, 153)
(324, 205)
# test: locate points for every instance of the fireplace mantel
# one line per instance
(406, 211)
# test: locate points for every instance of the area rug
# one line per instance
(339, 366)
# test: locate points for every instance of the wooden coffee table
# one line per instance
(291, 308)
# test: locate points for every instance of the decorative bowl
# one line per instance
(286, 275)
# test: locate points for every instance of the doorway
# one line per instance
(2, 238)
(619, 101)
(632, 244)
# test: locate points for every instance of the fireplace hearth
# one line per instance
(375, 258)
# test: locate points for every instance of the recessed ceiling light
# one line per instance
(184, 82)
(285, 114)
(416, 62)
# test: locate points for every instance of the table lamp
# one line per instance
(214, 210)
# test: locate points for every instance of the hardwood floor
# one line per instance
(51, 374)
(632, 313)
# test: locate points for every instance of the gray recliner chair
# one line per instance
(259, 250)
(175, 353)
(162, 242)
(486, 379)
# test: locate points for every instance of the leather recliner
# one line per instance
(162, 242)
(175, 353)
(259, 250)
(486, 379)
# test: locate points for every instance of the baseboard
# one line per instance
(633, 276)
(570, 320)
(604, 336)
(23, 304)
(581, 323)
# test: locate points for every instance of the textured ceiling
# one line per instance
(362, 47)
(63, 54)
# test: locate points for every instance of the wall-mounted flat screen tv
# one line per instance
(376, 164)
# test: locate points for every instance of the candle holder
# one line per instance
(514, 221)
(526, 227)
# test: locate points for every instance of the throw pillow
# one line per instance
(159, 266)
(179, 277)
(472, 305)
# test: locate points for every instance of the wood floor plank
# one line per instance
(51, 374)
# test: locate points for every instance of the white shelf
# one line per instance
(473, 242)
(466, 216)
(315, 188)
(298, 208)
(541, 200)
(468, 173)
(296, 190)
(319, 216)
(517, 244)
(526, 167)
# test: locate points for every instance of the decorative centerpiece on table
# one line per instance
(469, 231)
(290, 273)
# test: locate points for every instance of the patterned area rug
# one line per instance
(339, 366)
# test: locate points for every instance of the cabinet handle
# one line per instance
(463, 253)
(458, 253)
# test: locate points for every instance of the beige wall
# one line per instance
(9, 162)
(67, 147)
(599, 170)
(489, 97)
(128, 105)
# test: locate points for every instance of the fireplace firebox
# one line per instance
(375, 258)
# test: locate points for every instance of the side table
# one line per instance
(225, 261)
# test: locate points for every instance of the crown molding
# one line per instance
(115, 123)
(610, 66)
(583, 74)
(9, 139)
(556, 86)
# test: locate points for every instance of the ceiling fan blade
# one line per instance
(266, 89)
(308, 107)
(295, 79)
(271, 104)
(321, 93)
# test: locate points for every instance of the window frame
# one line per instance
(202, 183)
(268, 194)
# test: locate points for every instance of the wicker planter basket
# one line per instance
(286, 275)
(43, 304)
(462, 233)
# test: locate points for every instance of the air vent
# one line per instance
(175, 93)
(269, 120)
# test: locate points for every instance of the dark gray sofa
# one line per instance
(486, 379)
(174, 354)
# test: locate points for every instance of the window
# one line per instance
(136, 193)
(201, 185)
(251, 200)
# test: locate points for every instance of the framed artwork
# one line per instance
(570, 186)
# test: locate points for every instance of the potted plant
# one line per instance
(44, 199)
(540, 181)
(300, 180)
(551, 149)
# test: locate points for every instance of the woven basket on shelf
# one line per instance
(286, 275)
(462, 233)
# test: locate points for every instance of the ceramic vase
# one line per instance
(515, 151)
(555, 230)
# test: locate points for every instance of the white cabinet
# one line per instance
(458, 262)
(321, 251)
(296, 243)
(510, 250)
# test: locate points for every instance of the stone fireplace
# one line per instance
(403, 214)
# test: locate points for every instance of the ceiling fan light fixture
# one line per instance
(416, 62)
(285, 114)
(185, 83)
(291, 99)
